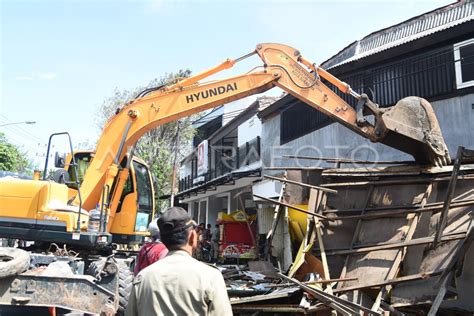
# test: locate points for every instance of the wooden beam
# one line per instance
(301, 184)
(277, 213)
(293, 168)
(403, 279)
(415, 208)
(313, 282)
(356, 233)
(386, 246)
(382, 214)
(449, 196)
(267, 308)
(327, 299)
(408, 231)
(292, 206)
(342, 160)
(390, 182)
(317, 202)
(453, 265)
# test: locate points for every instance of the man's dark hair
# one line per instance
(175, 225)
(176, 239)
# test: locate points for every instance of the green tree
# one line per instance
(12, 158)
(158, 146)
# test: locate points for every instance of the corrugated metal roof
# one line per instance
(402, 33)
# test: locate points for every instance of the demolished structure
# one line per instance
(372, 240)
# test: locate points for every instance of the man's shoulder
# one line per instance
(210, 269)
(137, 279)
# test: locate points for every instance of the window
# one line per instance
(144, 189)
(144, 195)
(82, 161)
(464, 63)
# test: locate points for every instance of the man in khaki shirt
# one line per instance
(178, 284)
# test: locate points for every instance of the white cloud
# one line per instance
(24, 78)
(47, 76)
(37, 76)
(156, 5)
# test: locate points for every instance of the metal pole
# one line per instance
(175, 159)
(449, 196)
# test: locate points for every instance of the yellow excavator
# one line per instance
(50, 212)
(137, 196)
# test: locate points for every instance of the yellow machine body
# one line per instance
(40, 203)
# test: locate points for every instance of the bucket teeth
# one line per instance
(448, 158)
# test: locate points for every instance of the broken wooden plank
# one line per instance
(382, 214)
(449, 196)
(343, 160)
(409, 230)
(276, 218)
(402, 279)
(313, 282)
(293, 168)
(317, 202)
(385, 246)
(390, 182)
(448, 273)
(279, 293)
(301, 184)
(291, 206)
(267, 308)
(356, 234)
(339, 304)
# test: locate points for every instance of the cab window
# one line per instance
(145, 196)
(82, 160)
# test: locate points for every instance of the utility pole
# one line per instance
(175, 160)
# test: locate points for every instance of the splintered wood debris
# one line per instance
(372, 241)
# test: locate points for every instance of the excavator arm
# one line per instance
(283, 67)
(409, 126)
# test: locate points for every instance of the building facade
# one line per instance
(431, 56)
(218, 174)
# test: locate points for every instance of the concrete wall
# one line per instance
(455, 116)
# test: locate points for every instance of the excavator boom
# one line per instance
(410, 126)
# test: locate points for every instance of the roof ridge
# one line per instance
(403, 32)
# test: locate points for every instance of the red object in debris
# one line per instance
(237, 240)
(52, 311)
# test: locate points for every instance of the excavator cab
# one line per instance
(136, 204)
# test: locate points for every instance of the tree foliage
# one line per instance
(12, 158)
(158, 146)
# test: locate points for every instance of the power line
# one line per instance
(22, 134)
(20, 144)
(19, 128)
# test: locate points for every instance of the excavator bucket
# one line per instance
(411, 126)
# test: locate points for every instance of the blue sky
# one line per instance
(61, 59)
